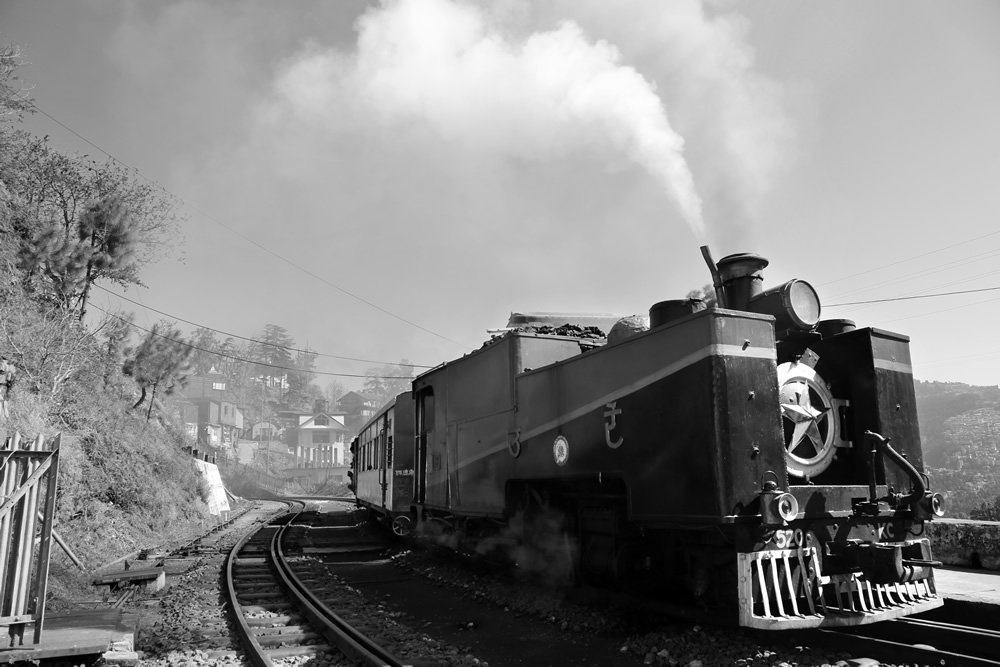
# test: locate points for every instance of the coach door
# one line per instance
(425, 426)
(384, 457)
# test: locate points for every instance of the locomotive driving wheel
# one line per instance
(810, 419)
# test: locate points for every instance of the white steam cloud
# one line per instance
(455, 70)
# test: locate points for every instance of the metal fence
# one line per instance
(270, 483)
(28, 472)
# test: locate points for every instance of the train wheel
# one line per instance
(402, 525)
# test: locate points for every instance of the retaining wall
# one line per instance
(964, 543)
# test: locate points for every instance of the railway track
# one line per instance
(914, 641)
(383, 596)
(275, 599)
(208, 541)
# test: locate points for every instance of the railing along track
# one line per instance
(258, 568)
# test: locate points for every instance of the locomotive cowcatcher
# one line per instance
(746, 458)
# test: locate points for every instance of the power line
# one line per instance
(908, 298)
(243, 236)
(908, 259)
(235, 358)
(927, 271)
(938, 312)
(413, 324)
(254, 340)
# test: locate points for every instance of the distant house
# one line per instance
(209, 411)
(262, 431)
(322, 438)
(358, 408)
(316, 438)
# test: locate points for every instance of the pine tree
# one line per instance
(389, 381)
(66, 261)
(272, 352)
(160, 361)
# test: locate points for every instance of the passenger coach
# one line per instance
(382, 463)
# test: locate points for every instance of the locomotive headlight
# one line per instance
(937, 504)
(930, 506)
(777, 508)
(787, 506)
(794, 305)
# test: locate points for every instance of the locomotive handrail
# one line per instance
(919, 489)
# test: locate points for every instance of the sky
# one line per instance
(391, 180)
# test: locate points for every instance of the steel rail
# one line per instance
(354, 643)
(187, 546)
(918, 641)
(936, 632)
(255, 653)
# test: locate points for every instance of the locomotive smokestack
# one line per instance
(741, 279)
(720, 297)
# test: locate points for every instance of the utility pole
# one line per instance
(267, 446)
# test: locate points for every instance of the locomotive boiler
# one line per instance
(746, 458)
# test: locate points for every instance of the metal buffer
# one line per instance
(28, 487)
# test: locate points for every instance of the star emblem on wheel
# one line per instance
(796, 407)
(810, 419)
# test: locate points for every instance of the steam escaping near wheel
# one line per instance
(539, 543)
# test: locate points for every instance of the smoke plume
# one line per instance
(453, 69)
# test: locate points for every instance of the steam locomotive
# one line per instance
(746, 457)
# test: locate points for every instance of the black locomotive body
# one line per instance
(744, 457)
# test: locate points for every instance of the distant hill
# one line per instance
(937, 404)
(960, 433)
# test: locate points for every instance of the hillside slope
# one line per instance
(960, 432)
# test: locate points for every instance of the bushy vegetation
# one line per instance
(66, 224)
(960, 432)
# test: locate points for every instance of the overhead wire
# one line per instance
(241, 359)
(260, 342)
(908, 259)
(939, 311)
(908, 298)
(963, 261)
(413, 324)
(978, 358)
(243, 236)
